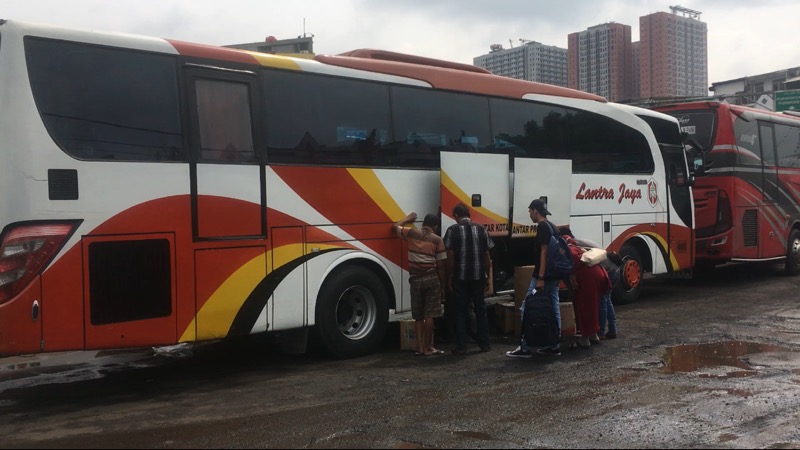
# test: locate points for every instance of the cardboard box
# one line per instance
(567, 319)
(506, 317)
(408, 335)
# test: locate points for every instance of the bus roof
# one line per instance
(440, 74)
(448, 75)
(747, 112)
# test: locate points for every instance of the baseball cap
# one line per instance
(540, 206)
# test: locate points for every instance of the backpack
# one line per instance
(539, 321)
(559, 257)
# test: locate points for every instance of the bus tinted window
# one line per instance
(529, 129)
(599, 144)
(427, 122)
(788, 143)
(323, 120)
(665, 131)
(746, 135)
(102, 103)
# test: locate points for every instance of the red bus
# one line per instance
(747, 206)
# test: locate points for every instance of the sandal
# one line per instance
(435, 353)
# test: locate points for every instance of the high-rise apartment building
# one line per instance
(673, 54)
(600, 61)
(532, 61)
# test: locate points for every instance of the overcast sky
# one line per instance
(745, 37)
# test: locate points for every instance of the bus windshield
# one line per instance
(699, 125)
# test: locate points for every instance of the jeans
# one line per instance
(607, 308)
(551, 291)
(469, 292)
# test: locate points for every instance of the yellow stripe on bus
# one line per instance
(664, 245)
(265, 59)
(373, 187)
(217, 314)
(462, 196)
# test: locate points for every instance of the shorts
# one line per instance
(426, 297)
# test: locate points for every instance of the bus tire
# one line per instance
(629, 284)
(792, 266)
(352, 312)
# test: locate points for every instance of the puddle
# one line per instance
(693, 357)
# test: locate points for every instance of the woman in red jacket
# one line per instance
(588, 283)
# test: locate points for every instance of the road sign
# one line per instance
(787, 100)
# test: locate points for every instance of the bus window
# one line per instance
(746, 135)
(787, 139)
(529, 129)
(314, 119)
(600, 144)
(427, 122)
(102, 103)
(223, 112)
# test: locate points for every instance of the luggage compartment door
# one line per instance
(481, 181)
(547, 179)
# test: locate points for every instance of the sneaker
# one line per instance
(611, 335)
(519, 353)
(549, 351)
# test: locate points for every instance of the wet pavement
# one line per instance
(711, 363)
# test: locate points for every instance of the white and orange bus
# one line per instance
(747, 205)
(155, 192)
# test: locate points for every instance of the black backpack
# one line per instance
(559, 257)
(539, 321)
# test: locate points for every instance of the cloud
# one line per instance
(745, 37)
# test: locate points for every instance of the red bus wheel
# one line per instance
(630, 276)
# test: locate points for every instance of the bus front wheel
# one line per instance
(630, 276)
(352, 312)
(792, 266)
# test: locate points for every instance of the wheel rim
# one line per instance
(631, 273)
(356, 312)
(795, 251)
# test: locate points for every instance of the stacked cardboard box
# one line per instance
(408, 335)
(506, 317)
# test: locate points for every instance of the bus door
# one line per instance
(481, 181)
(768, 238)
(680, 216)
(228, 196)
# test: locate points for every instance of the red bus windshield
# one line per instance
(700, 125)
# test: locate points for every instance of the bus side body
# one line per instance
(159, 192)
(746, 204)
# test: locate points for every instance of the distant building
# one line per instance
(757, 90)
(301, 46)
(531, 61)
(636, 88)
(600, 61)
(673, 54)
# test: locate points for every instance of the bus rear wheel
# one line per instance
(630, 276)
(792, 266)
(352, 312)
